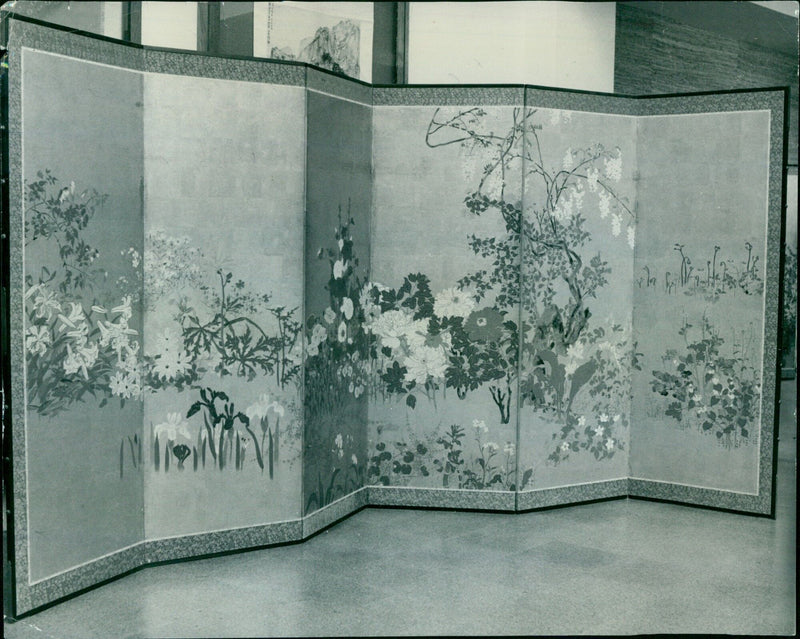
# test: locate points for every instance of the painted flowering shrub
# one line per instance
(426, 343)
(83, 341)
(471, 337)
(457, 460)
(338, 371)
(220, 331)
(704, 388)
(222, 335)
(337, 344)
(573, 370)
(79, 340)
(592, 387)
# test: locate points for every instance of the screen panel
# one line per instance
(224, 174)
(337, 262)
(700, 296)
(578, 233)
(82, 177)
(445, 316)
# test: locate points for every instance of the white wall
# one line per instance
(791, 207)
(562, 44)
(112, 20)
(170, 24)
(789, 7)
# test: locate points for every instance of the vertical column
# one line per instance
(225, 28)
(390, 43)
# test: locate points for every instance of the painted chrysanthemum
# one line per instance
(453, 302)
(425, 362)
(485, 324)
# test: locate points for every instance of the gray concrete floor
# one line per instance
(617, 567)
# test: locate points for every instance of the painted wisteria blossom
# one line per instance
(472, 337)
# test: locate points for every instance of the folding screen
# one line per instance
(248, 298)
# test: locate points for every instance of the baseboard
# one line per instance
(450, 498)
(333, 512)
(566, 495)
(743, 503)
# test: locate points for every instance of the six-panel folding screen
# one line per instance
(249, 298)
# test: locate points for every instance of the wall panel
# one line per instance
(657, 54)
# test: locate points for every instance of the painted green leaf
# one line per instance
(526, 477)
(193, 409)
(581, 375)
(674, 410)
